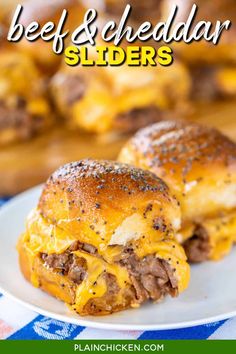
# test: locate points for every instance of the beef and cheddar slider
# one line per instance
(119, 99)
(24, 108)
(102, 238)
(199, 166)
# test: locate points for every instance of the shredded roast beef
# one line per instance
(19, 119)
(107, 303)
(197, 248)
(151, 278)
(135, 119)
(74, 88)
(112, 286)
(68, 263)
(204, 86)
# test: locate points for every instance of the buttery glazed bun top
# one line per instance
(198, 163)
(106, 203)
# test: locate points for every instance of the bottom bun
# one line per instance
(52, 282)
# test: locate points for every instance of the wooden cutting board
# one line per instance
(27, 164)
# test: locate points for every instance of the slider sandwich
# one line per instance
(199, 166)
(119, 99)
(101, 238)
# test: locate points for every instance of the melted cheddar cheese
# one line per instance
(44, 237)
(94, 284)
(221, 232)
(111, 91)
(226, 79)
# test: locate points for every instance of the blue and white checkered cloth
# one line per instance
(17, 322)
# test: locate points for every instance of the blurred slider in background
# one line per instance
(101, 100)
(119, 99)
(25, 68)
(213, 67)
(42, 12)
(24, 107)
(51, 113)
(115, 100)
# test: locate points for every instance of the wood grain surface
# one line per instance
(26, 164)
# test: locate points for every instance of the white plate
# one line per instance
(210, 296)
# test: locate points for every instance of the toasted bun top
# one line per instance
(107, 203)
(198, 163)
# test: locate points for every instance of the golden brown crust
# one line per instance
(190, 158)
(100, 194)
(183, 146)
